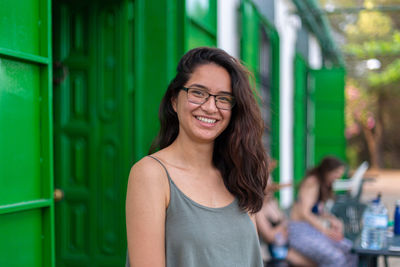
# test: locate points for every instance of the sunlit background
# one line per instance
(368, 34)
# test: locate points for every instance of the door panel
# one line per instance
(92, 113)
(326, 119)
(20, 151)
(27, 239)
(20, 25)
(26, 188)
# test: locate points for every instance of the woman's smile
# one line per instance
(206, 120)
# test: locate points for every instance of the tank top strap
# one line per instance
(165, 168)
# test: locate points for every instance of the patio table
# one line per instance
(369, 257)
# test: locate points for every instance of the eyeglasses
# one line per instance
(200, 96)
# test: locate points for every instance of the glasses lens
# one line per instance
(224, 101)
(197, 96)
(200, 96)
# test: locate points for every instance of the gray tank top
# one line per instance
(200, 236)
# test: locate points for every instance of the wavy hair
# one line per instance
(326, 165)
(238, 151)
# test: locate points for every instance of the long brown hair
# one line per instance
(320, 171)
(238, 151)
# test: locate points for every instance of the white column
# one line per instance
(228, 33)
(314, 53)
(286, 24)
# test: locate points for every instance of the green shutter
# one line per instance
(26, 181)
(300, 118)
(326, 118)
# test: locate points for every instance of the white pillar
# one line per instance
(286, 24)
(227, 29)
(314, 53)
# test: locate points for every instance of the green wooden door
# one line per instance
(325, 115)
(93, 96)
(26, 188)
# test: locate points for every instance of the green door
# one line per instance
(93, 110)
(26, 188)
(325, 115)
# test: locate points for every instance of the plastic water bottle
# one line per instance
(375, 222)
(397, 218)
(279, 247)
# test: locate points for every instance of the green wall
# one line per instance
(253, 26)
(201, 23)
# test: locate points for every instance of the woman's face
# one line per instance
(335, 174)
(204, 122)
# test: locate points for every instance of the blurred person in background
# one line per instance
(313, 231)
(272, 224)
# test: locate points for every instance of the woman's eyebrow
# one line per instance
(208, 89)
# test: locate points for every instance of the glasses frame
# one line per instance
(233, 102)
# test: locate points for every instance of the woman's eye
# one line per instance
(198, 93)
(226, 99)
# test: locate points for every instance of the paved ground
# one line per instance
(388, 183)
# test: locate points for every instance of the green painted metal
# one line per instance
(326, 120)
(93, 128)
(26, 181)
(17, 55)
(201, 23)
(21, 239)
(318, 115)
(300, 118)
(26, 205)
(260, 52)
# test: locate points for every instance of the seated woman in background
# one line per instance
(272, 225)
(313, 231)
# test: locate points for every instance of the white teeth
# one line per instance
(206, 120)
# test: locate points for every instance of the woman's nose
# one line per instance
(210, 105)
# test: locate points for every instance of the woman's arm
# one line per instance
(266, 230)
(308, 196)
(146, 202)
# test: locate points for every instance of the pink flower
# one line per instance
(352, 93)
(352, 130)
(370, 122)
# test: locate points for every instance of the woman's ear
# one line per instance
(173, 103)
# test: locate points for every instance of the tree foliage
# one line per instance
(370, 41)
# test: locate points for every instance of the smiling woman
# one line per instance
(209, 171)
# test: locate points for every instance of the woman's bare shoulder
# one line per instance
(311, 180)
(148, 171)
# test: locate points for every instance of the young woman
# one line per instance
(192, 202)
(313, 231)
